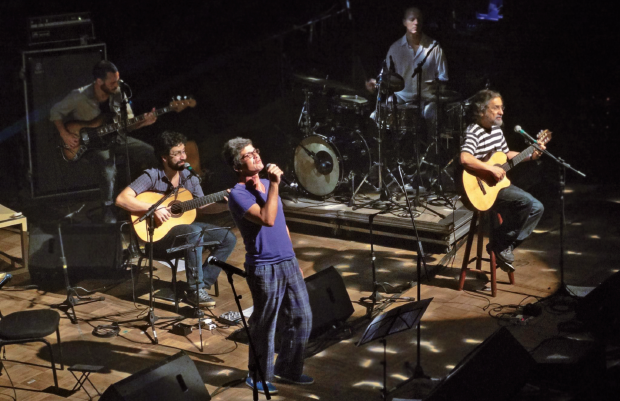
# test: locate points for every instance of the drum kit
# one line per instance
(349, 140)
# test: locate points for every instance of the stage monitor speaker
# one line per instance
(329, 300)
(50, 75)
(92, 251)
(495, 370)
(600, 309)
(174, 378)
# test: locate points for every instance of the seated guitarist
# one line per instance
(170, 149)
(103, 95)
(520, 211)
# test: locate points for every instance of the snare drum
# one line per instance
(404, 119)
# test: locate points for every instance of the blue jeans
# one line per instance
(280, 298)
(207, 274)
(520, 213)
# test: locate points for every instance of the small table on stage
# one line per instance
(6, 220)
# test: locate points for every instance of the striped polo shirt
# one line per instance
(479, 142)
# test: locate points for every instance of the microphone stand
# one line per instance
(417, 72)
(562, 291)
(253, 365)
(151, 318)
(73, 298)
(375, 296)
(418, 371)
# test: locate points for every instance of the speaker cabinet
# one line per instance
(174, 378)
(600, 309)
(49, 75)
(329, 300)
(92, 250)
(495, 370)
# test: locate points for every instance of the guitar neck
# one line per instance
(110, 128)
(198, 202)
(518, 158)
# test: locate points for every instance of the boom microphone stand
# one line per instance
(151, 318)
(254, 365)
(562, 291)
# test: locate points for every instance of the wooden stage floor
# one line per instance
(454, 324)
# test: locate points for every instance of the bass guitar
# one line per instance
(481, 193)
(92, 134)
(182, 207)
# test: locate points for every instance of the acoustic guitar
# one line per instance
(481, 193)
(182, 207)
(93, 134)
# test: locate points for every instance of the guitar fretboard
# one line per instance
(518, 158)
(197, 202)
(110, 128)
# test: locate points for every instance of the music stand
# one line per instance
(394, 321)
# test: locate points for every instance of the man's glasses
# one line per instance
(253, 155)
(178, 153)
(498, 108)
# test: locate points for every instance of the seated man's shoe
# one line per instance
(200, 298)
(272, 389)
(303, 380)
(504, 258)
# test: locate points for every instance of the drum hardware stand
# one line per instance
(151, 318)
(304, 121)
(73, 298)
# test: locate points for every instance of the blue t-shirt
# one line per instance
(263, 245)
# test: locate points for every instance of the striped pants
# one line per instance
(280, 298)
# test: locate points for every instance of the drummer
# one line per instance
(405, 54)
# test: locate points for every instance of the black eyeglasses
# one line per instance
(253, 154)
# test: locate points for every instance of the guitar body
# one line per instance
(160, 232)
(479, 193)
(80, 130)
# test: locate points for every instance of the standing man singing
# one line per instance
(405, 54)
(520, 211)
(274, 277)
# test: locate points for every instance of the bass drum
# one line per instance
(322, 163)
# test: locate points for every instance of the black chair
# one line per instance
(173, 263)
(31, 326)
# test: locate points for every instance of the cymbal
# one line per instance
(354, 99)
(326, 83)
(395, 82)
(445, 95)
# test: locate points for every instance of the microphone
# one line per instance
(212, 260)
(392, 68)
(348, 7)
(518, 130)
(282, 177)
(189, 168)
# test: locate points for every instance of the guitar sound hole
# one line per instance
(175, 209)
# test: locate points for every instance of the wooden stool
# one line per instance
(478, 258)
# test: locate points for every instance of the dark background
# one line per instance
(554, 63)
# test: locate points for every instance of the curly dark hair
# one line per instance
(231, 152)
(479, 103)
(166, 141)
(101, 69)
